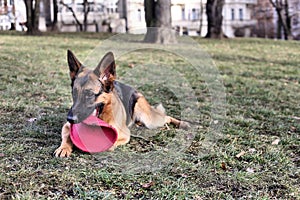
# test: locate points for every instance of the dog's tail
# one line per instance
(160, 108)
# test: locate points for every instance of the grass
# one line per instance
(261, 80)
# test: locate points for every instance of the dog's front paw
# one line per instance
(112, 148)
(63, 151)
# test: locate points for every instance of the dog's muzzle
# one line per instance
(71, 118)
(77, 117)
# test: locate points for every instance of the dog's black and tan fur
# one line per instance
(97, 91)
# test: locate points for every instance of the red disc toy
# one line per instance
(93, 135)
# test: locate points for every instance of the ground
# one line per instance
(257, 157)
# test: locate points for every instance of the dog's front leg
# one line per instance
(66, 145)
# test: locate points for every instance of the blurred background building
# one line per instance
(294, 6)
(189, 17)
(241, 18)
(12, 14)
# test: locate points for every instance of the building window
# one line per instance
(183, 13)
(111, 7)
(195, 14)
(241, 14)
(99, 8)
(79, 7)
(139, 15)
(232, 14)
(91, 7)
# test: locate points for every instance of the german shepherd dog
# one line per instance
(98, 92)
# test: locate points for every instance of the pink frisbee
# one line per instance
(93, 135)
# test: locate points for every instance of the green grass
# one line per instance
(261, 79)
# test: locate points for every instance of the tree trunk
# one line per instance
(55, 12)
(283, 18)
(36, 14)
(28, 5)
(278, 29)
(214, 18)
(33, 13)
(287, 20)
(201, 18)
(47, 10)
(51, 24)
(86, 12)
(159, 22)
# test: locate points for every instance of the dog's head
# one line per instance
(89, 85)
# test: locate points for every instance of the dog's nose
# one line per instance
(71, 118)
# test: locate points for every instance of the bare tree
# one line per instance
(73, 13)
(82, 26)
(281, 7)
(201, 17)
(158, 21)
(214, 18)
(47, 10)
(55, 13)
(33, 13)
(86, 11)
(51, 24)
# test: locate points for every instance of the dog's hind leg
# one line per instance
(154, 117)
(178, 123)
(147, 115)
(66, 145)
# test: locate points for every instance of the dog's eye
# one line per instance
(89, 93)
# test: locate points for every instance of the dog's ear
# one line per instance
(74, 65)
(106, 66)
(106, 70)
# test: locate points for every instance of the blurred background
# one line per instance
(278, 19)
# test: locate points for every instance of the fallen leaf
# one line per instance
(131, 65)
(276, 142)
(184, 175)
(167, 182)
(252, 150)
(32, 120)
(148, 185)
(189, 136)
(293, 128)
(250, 170)
(2, 155)
(240, 154)
(197, 197)
(223, 166)
(295, 117)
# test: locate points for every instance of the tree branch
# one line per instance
(273, 4)
(73, 13)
